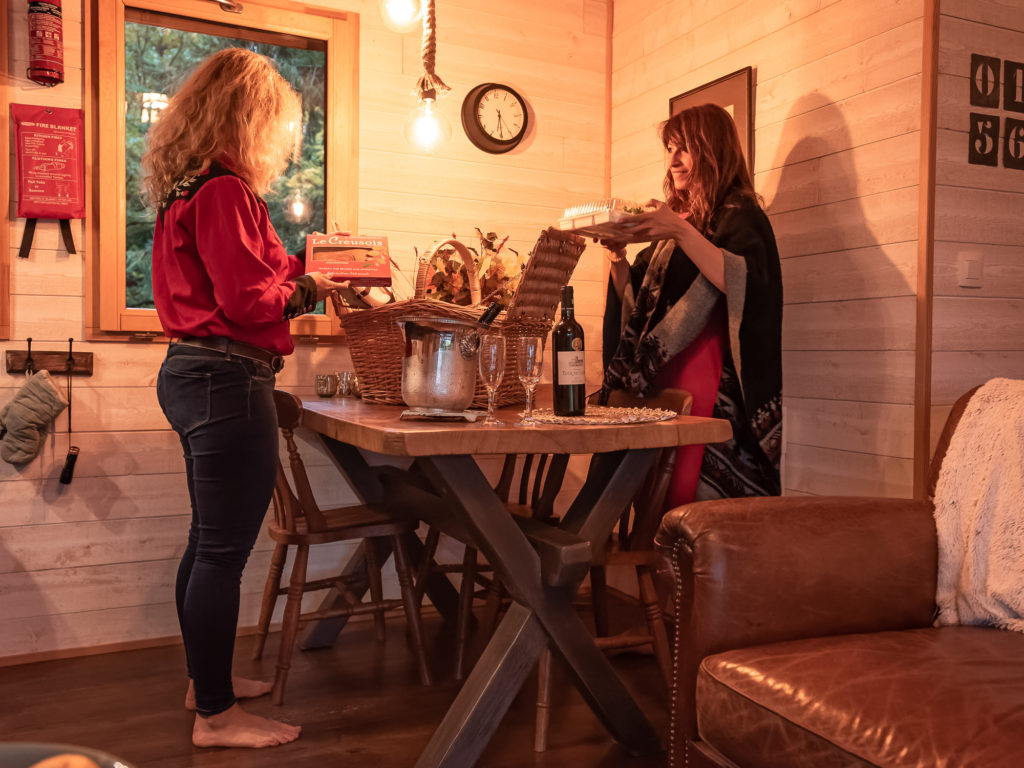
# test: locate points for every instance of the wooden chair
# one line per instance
(475, 583)
(632, 546)
(300, 523)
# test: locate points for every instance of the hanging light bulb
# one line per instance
(400, 15)
(427, 128)
(297, 208)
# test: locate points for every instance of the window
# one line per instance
(134, 71)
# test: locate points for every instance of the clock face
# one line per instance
(494, 117)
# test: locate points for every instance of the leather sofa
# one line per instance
(805, 637)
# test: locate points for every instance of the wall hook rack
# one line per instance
(29, 360)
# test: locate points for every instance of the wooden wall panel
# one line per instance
(837, 137)
(872, 271)
(871, 63)
(988, 216)
(864, 325)
(957, 371)
(880, 167)
(776, 38)
(126, 512)
(977, 332)
(822, 471)
(860, 222)
(883, 429)
(877, 376)
(963, 324)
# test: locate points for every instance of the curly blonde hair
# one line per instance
(234, 106)
(708, 133)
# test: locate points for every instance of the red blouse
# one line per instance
(219, 268)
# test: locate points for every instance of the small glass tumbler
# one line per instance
(326, 384)
(346, 384)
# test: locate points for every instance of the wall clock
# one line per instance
(494, 117)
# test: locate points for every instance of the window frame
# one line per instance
(5, 196)
(106, 312)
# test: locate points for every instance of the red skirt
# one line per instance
(698, 370)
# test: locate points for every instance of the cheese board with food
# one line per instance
(600, 218)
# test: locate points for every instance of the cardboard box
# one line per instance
(360, 259)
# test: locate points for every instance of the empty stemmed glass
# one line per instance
(529, 363)
(492, 367)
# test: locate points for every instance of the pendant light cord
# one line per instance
(430, 85)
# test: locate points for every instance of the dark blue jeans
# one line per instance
(223, 410)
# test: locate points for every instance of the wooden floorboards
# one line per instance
(359, 703)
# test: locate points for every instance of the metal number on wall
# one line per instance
(984, 146)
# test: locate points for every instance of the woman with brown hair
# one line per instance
(224, 290)
(701, 308)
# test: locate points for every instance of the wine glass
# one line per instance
(492, 367)
(529, 362)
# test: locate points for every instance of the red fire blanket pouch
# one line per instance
(48, 144)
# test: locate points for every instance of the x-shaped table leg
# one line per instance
(540, 613)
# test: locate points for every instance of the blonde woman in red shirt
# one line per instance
(224, 288)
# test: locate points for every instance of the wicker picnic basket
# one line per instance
(377, 344)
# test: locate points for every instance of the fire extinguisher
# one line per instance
(45, 42)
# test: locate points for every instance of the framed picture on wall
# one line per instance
(735, 94)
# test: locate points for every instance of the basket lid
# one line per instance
(551, 264)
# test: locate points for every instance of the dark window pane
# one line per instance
(156, 57)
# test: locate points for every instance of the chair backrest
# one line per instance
(541, 475)
(947, 433)
(293, 511)
(637, 531)
(540, 480)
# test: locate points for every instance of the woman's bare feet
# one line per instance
(244, 689)
(235, 727)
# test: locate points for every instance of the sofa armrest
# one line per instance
(761, 570)
(767, 569)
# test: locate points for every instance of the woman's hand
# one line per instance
(662, 223)
(325, 285)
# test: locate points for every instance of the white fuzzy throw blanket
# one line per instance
(979, 512)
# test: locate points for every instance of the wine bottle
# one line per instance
(569, 370)
(490, 313)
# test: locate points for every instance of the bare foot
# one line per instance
(235, 727)
(244, 689)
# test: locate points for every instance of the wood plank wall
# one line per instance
(93, 562)
(837, 122)
(978, 332)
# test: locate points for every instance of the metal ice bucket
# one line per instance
(440, 362)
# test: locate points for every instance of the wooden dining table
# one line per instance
(540, 565)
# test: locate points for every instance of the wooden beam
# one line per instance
(926, 248)
(5, 189)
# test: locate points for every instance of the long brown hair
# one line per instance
(719, 170)
(236, 106)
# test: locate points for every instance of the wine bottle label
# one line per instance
(571, 368)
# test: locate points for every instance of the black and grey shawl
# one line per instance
(673, 302)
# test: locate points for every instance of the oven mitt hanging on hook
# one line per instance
(25, 420)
